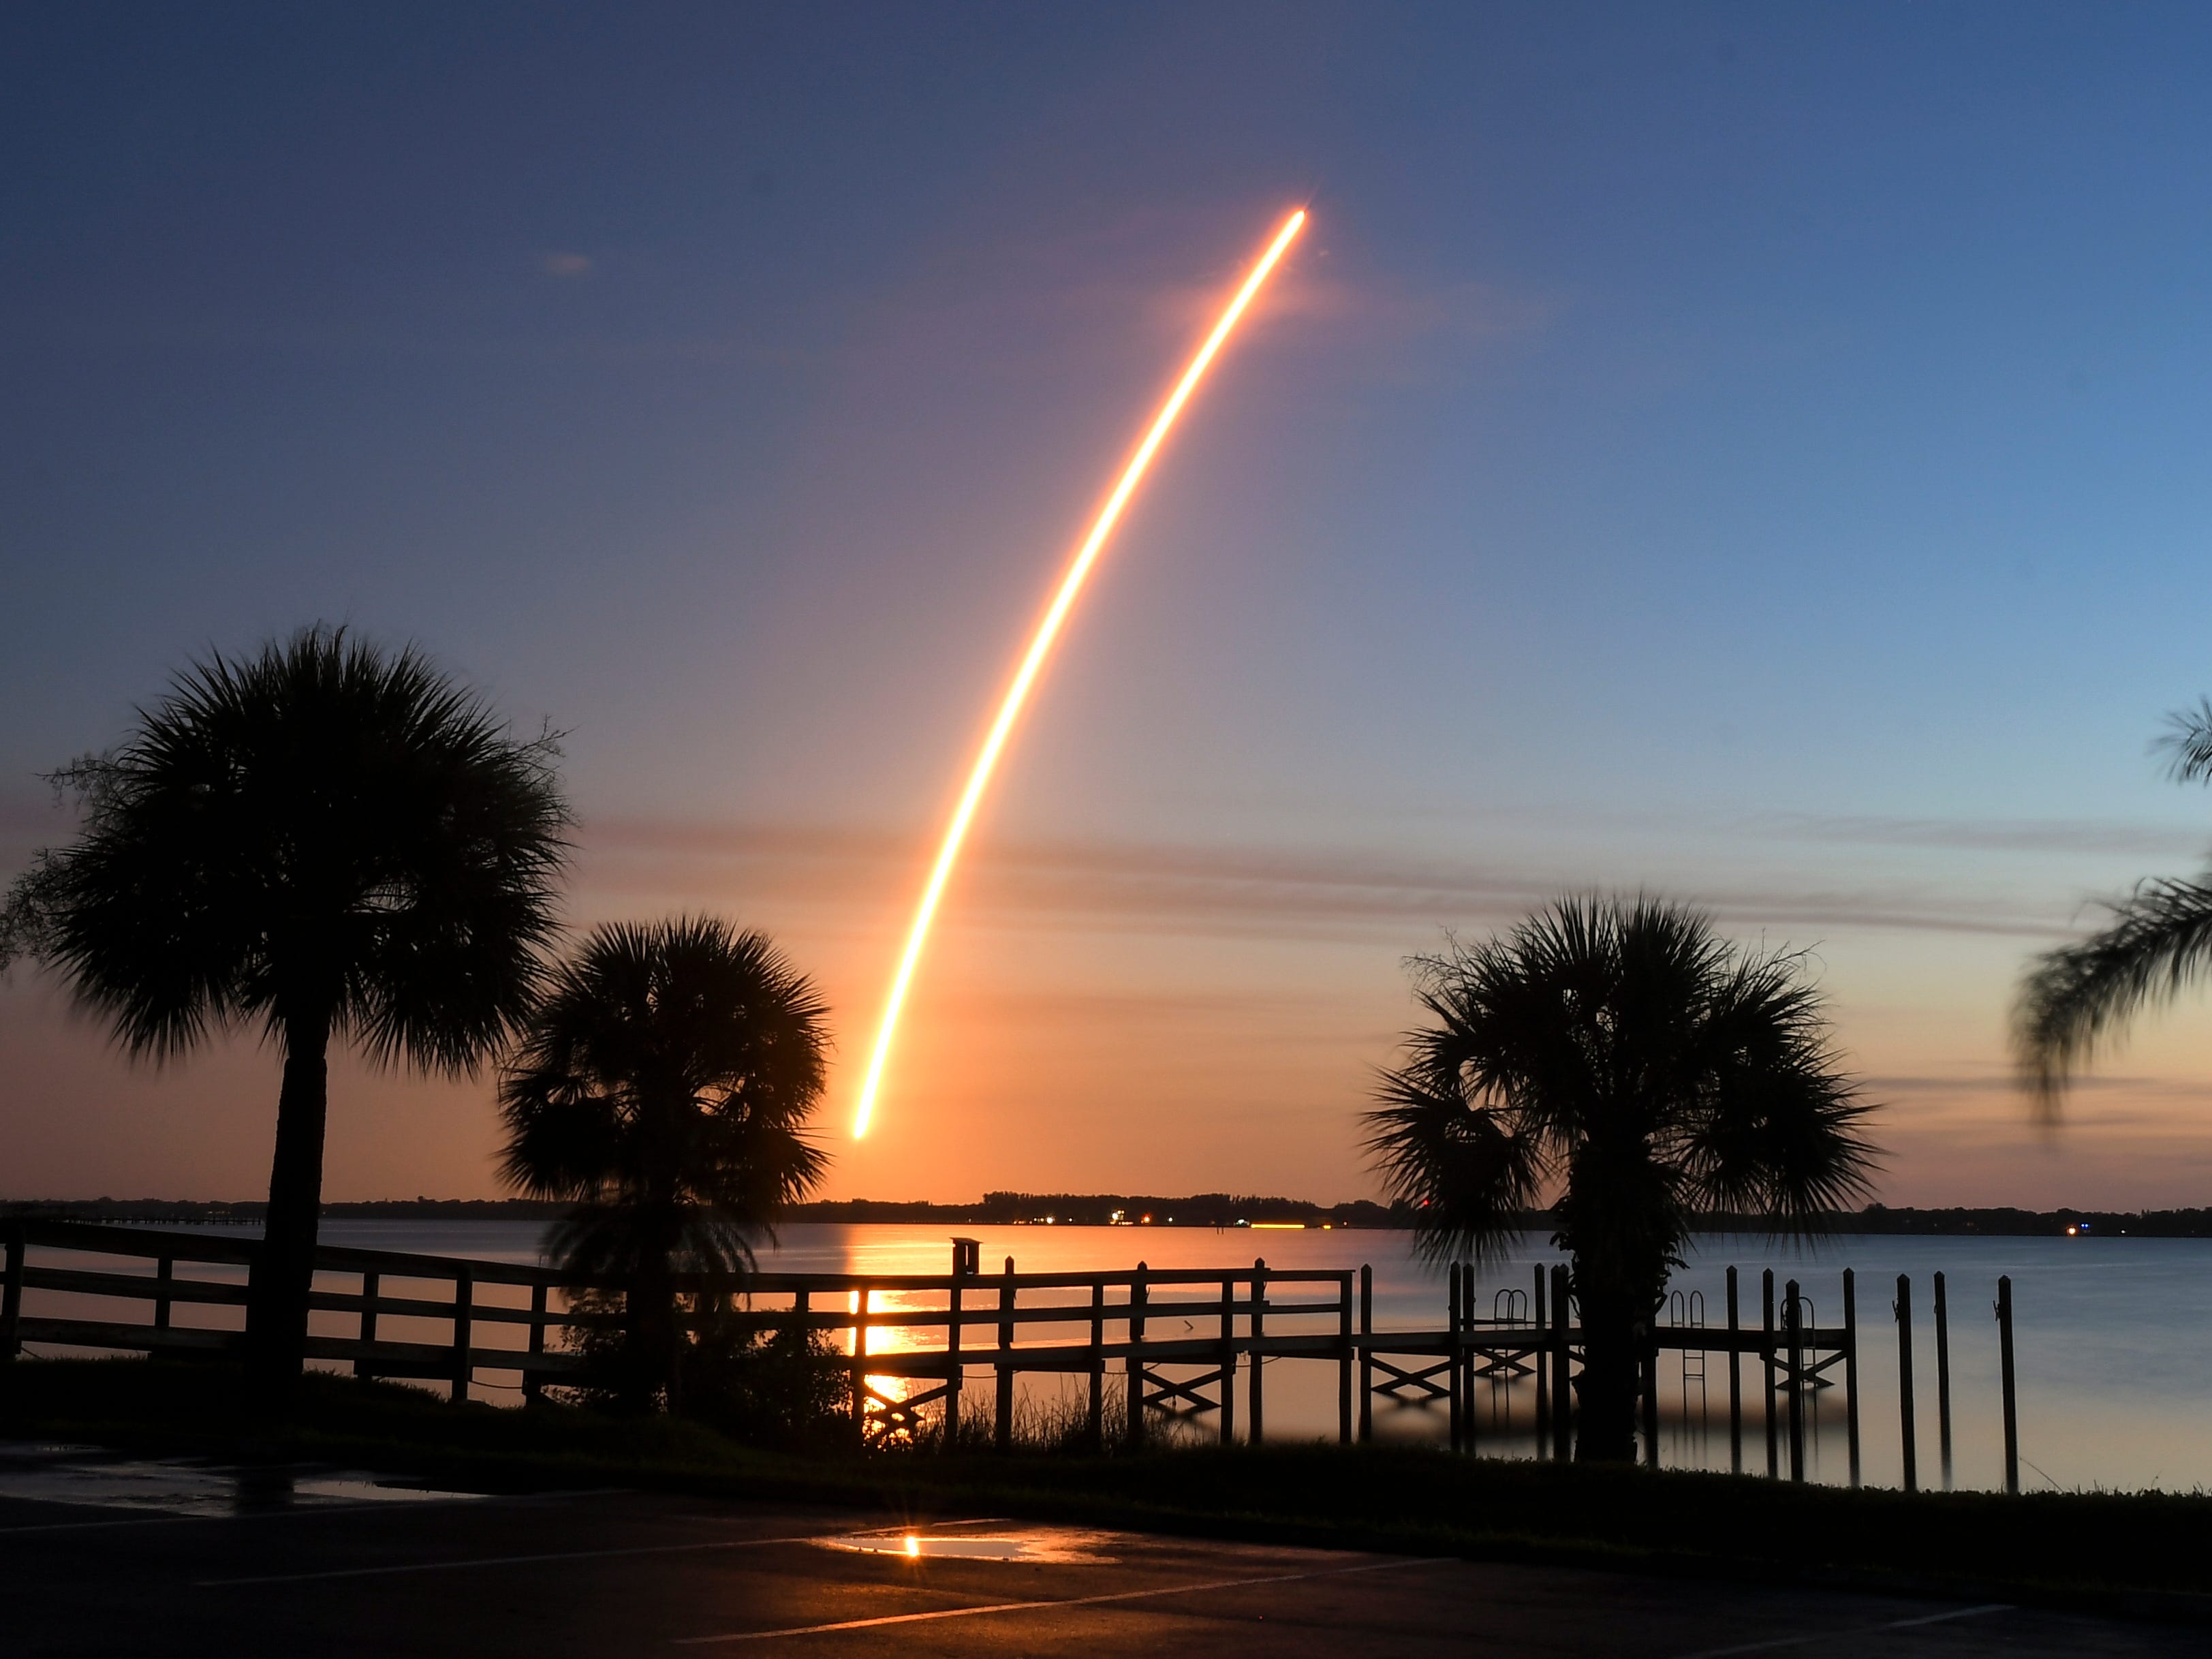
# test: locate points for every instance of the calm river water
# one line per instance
(2113, 1336)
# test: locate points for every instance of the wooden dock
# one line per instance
(1181, 1344)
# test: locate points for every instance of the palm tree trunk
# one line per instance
(1612, 1327)
(284, 1267)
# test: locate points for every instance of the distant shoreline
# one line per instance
(1094, 1210)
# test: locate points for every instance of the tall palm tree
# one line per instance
(662, 1088)
(2080, 997)
(324, 840)
(1618, 1054)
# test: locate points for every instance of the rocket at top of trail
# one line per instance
(1040, 648)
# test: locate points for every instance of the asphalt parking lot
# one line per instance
(103, 1556)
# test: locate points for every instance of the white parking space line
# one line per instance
(1861, 1630)
(1063, 1601)
(467, 1562)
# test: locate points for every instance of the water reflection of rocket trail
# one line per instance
(1048, 629)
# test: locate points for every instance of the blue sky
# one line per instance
(1755, 453)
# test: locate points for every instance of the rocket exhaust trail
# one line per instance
(1041, 642)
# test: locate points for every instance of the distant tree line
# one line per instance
(1096, 1210)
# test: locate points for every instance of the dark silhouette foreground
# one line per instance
(324, 840)
(663, 1089)
(1650, 1072)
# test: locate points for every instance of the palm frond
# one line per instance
(2076, 999)
(2187, 741)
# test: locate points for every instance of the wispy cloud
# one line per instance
(569, 265)
(1183, 889)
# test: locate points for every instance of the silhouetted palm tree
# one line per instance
(1622, 1055)
(2159, 941)
(323, 841)
(664, 1088)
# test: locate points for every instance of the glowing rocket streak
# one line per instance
(1041, 647)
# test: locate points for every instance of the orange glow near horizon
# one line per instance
(1040, 643)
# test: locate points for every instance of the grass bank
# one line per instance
(2144, 1553)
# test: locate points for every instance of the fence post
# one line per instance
(862, 1306)
(1344, 1359)
(1793, 1319)
(1227, 1384)
(11, 1295)
(1766, 1358)
(165, 1279)
(1097, 1423)
(1541, 1317)
(2004, 1371)
(1906, 1414)
(1366, 1354)
(1451, 1356)
(1133, 1430)
(532, 1386)
(1259, 1331)
(1651, 1395)
(1943, 1380)
(464, 1296)
(955, 1370)
(1851, 1369)
(372, 1286)
(1563, 1415)
(1736, 1383)
(1002, 1433)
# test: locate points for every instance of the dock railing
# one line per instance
(1178, 1342)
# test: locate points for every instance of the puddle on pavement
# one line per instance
(1056, 1546)
(82, 1476)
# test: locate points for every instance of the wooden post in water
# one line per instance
(1451, 1354)
(1766, 1358)
(1259, 1330)
(464, 1296)
(1002, 1435)
(1904, 1413)
(1540, 1318)
(1344, 1359)
(1096, 1425)
(1851, 1369)
(1793, 1320)
(2004, 1373)
(1133, 1430)
(1943, 1380)
(533, 1384)
(1736, 1383)
(11, 1295)
(1366, 1354)
(1228, 1361)
(1563, 1419)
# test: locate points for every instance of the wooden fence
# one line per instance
(1181, 1340)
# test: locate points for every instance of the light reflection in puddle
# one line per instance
(1054, 1546)
(79, 1475)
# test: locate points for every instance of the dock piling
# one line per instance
(1735, 1382)
(1851, 1369)
(1002, 1431)
(1562, 1394)
(1343, 1361)
(1943, 1380)
(1904, 1383)
(2004, 1371)
(1766, 1358)
(1542, 1323)
(1133, 1430)
(1366, 1353)
(1259, 1331)
(1793, 1321)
